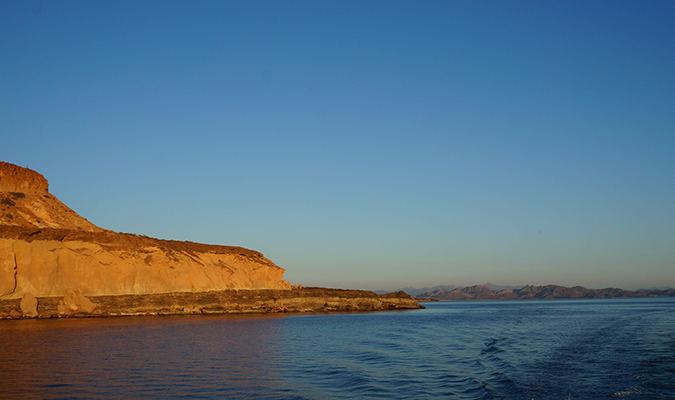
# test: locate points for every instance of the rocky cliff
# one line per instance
(47, 249)
(25, 202)
(14, 178)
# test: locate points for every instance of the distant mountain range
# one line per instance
(482, 292)
(418, 292)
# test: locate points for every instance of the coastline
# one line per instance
(304, 300)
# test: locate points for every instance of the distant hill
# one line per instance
(481, 292)
(416, 292)
(654, 288)
(421, 291)
(497, 288)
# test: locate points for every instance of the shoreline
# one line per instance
(305, 300)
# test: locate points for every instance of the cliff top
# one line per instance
(14, 178)
(25, 202)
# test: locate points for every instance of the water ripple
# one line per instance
(613, 349)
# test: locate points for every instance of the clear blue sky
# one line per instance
(371, 145)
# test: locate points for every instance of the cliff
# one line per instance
(55, 263)
(14, 178)
(48, 262)
(46, 249)
(540, 293)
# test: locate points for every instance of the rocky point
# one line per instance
(54, 257)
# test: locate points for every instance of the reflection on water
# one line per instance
(200, 356)
(573, 349)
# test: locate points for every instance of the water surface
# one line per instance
(554, 349)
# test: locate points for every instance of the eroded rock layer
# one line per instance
(47, 263)
(221, 302)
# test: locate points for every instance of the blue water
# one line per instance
(567, 349)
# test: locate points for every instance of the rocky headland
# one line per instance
(529, 292)
(53, 262)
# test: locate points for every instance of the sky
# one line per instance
(368, 145)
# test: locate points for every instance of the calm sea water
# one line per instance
(569, 349)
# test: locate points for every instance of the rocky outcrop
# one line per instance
(29, 305)
(224, 302)
(39, 210)
(21, 180)
(75, 302)
(540, 293)
(47, 249)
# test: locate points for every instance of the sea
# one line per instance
(521, 349)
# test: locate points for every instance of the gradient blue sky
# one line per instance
(370, 145)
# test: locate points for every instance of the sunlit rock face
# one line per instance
(29, 305)
(26, 202)
(21, 180)
(47, 249)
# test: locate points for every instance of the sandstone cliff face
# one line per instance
(47, 268)
(47, 249)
